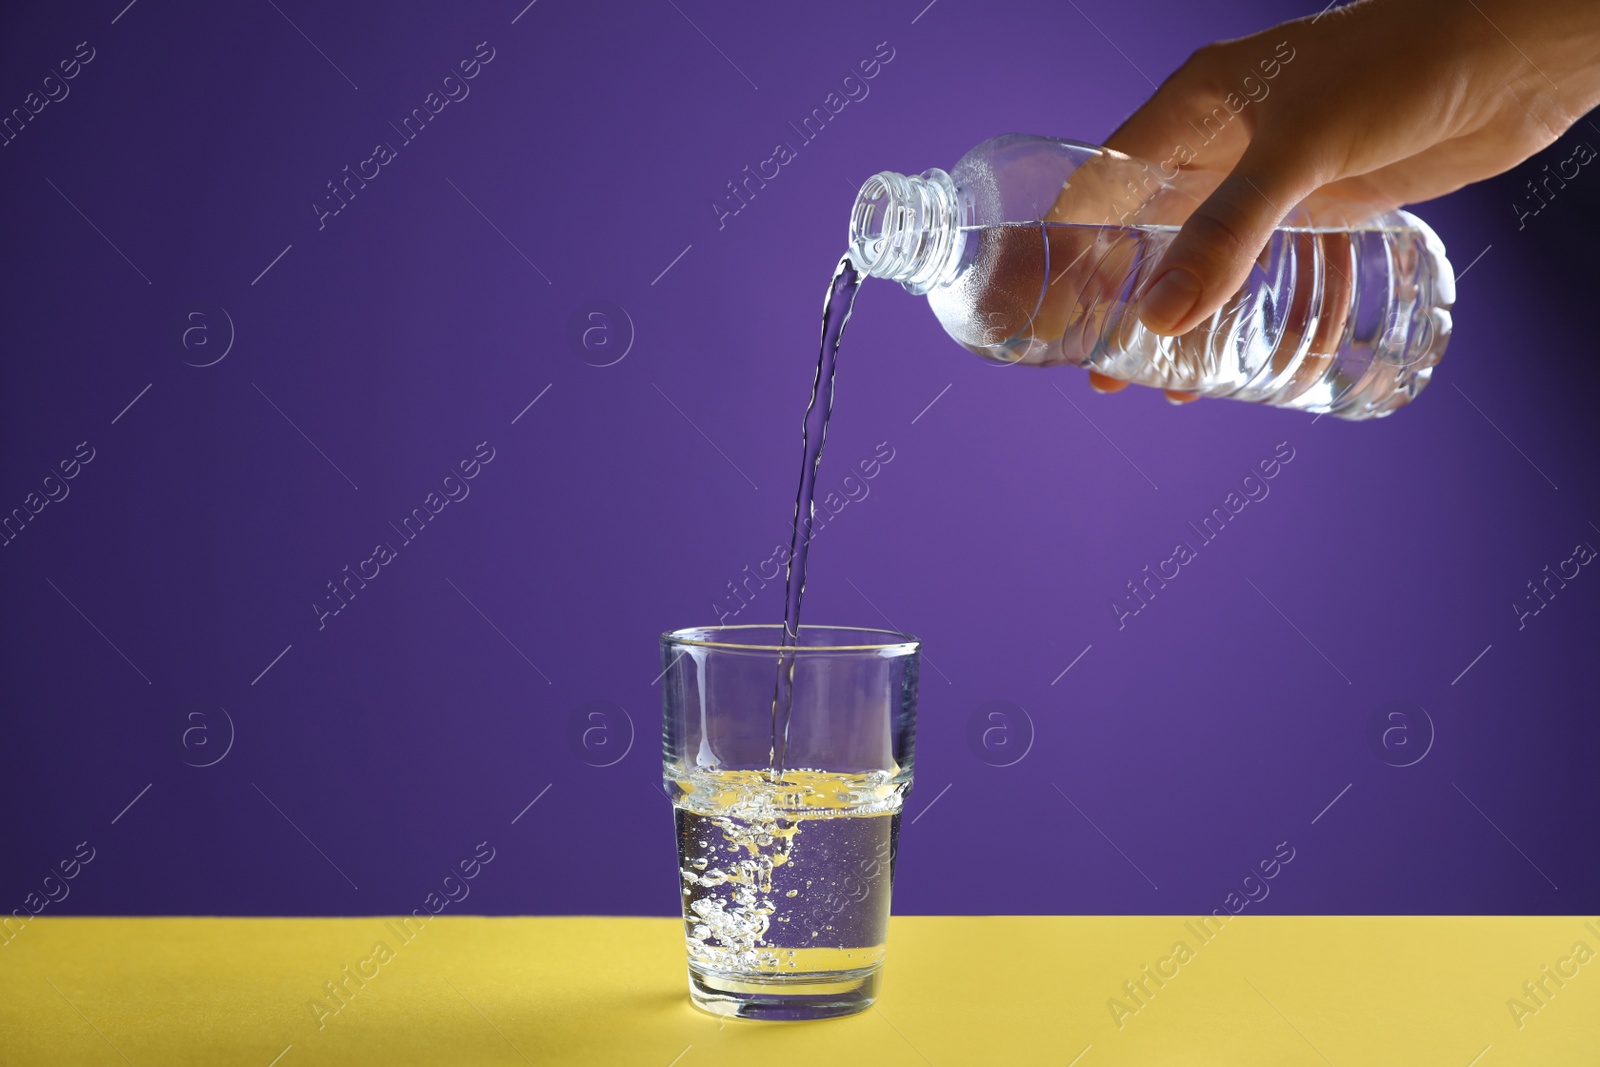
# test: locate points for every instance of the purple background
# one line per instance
(377, 751)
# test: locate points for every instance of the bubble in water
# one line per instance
(733, 903)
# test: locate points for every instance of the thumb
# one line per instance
(1213, 253)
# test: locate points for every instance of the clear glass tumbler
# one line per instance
(787, 825)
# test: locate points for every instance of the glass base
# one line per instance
(784, 997)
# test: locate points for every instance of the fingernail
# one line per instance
(1175, 402)
(1097, 389)
(1166, 302)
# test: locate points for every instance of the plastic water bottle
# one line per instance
(1033, 250)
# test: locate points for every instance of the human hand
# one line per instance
(1380, 103)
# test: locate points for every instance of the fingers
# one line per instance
(1213, 253)
(1163, 122)
(1102, 384)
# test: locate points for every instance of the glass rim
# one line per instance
(902, 643)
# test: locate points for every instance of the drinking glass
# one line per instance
(787, 803)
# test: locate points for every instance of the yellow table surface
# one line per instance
(996, 990)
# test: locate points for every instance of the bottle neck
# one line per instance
(907, 228)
